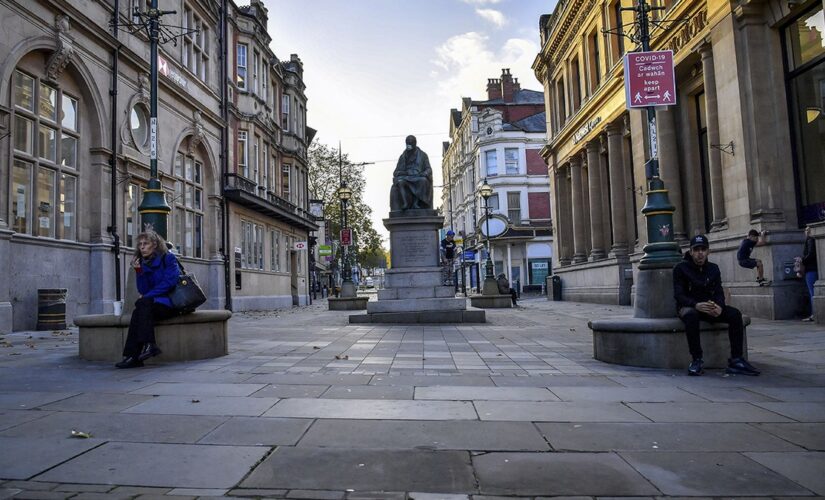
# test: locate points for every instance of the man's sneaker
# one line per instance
(763, 282)
(696, 367)
(738, 366)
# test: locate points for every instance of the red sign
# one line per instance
(649, 79)
(346, 237)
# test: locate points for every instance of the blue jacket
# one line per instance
(157, 277)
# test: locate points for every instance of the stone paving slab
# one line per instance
(458, 435)
(40, 454)
(429, 380)
(801, 412)
(151, 464)
(119, 427)
(199, 405)
(364, 470)
(97, 402)
(528, 411)
(368, 392)
(710, 474)
(805, 468)
(558, 474)
(485, 393)
(258, 431)
(309, 379)
(198, 389)
(33, 399)
(798, 394)
(10, 418)
(727, 394)
(291, 391)
(808, 435)
(373, 410)
(661, 436)
(707, 412)
(624, 394)
(555, 381)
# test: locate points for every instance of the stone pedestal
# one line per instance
(414, 290)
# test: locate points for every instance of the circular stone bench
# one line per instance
(198, 335)
(659, 342)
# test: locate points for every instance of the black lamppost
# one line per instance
(490, 286)
(347, 287)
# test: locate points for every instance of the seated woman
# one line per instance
(157, 274)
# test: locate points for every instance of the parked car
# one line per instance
(368, 282)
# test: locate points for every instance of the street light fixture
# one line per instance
(490, 286)
(347, 287)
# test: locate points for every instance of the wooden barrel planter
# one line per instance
(51, 308)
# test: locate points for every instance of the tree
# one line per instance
(326, 171)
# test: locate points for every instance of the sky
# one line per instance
(379, 70)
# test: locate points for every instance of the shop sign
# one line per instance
(299, 245)
(469, 255)
(649, 79)
(585, 129)
(324, 250)
(165, 69)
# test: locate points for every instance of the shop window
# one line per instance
(44, 173)
(805, 55)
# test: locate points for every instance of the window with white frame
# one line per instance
(256, 149)
(491, 161)
(195, 55)
(45, 137)
(241, 61)
(188, 206)
(275, 251)
(285, 174)
(285, 113)
(511, 161)
(256, 66)
(492, 202)
(243, 161)
(265, 81)
(514, 206)
(265, 167)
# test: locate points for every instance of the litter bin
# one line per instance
(554, 288)
(51, 308)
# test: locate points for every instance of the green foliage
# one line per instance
(325, 175)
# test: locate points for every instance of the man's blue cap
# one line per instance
(700, 240)
(451, 233)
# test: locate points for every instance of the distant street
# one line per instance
(307, 406)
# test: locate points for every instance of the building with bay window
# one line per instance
(498, 141)
(74, 113)
(743, 148)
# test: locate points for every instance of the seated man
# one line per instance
(504, 288)
(697, 288)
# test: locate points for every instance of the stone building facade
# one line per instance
(741, 150)
(498, 140)
(75, 158)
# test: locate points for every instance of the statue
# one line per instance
(412, 181)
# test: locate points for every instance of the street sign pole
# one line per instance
(661, 250)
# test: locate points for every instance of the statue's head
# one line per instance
(411, 142)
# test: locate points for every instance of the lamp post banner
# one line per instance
(649, 79)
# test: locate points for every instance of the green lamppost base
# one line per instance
(154, 209)
(661, 250)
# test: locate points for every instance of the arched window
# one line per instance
(46, 142)
(186, 224)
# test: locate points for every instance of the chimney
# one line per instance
(508, 85)
(493, 89)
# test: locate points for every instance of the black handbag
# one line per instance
(187, 294)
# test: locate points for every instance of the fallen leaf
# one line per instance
(338, 356)
(80, 434)
(196, 400)
(315, 347)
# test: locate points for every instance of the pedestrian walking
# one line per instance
(697, 288)
(809, 266)
(504, 288)
(752, 240)
(157, 275)
(448, 247)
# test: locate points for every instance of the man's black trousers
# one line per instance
(142, 325)
(730, 315)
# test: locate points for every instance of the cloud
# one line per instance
(493, 16)
(481, 2)
(464, 62)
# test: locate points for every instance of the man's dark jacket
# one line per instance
(693, 284)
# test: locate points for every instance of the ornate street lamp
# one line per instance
(490, 286)
(347, 287)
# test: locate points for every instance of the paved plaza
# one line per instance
(308, 406)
